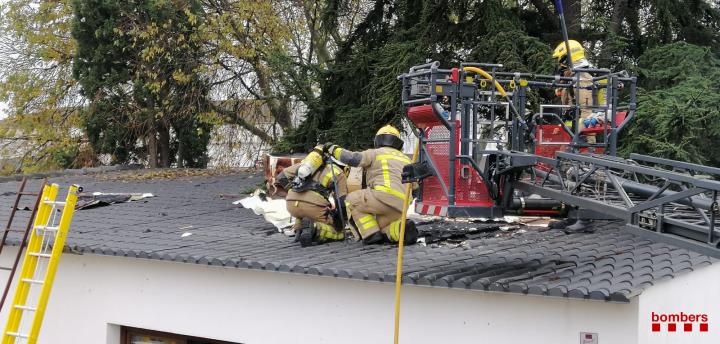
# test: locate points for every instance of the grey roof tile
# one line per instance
(609, 264)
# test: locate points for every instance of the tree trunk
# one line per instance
(180, 154)
(632, 13)
(544, 9)
(164, 145)
(235, 118)
(318, 38)
(618, 14)
(152, 149)
(573, 17)
(279, 109)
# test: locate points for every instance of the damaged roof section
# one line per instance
(192, 219)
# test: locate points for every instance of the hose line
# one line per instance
(486, 75)
(401, 241)
(500, 89)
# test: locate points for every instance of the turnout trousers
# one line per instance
(371, 213)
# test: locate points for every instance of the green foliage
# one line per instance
(679, 81)
(64, 156)
(136, 76)
(37, 87)
(360, 92)
(193, 135)
(141, 65)
(675, 63)
(678, 114)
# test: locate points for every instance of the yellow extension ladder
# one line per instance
(40, 262)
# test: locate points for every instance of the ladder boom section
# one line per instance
(664, 202)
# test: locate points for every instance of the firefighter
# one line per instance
(310, 184)
(567, 95)
(377, 209)
(584, 98)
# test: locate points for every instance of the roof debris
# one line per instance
(101, 199)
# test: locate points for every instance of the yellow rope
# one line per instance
(398, 272)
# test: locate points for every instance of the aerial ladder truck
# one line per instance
(485, 152)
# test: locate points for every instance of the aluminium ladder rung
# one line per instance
(47, 228)
(25, 308)
(57, 203)
(17, 334)
(44, 230)
(32, 281)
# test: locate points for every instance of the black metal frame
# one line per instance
(428, 84)
(638, 191)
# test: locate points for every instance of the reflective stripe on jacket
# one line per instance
(383, 169)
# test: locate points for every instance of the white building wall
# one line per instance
(694, 293)
(94, 294)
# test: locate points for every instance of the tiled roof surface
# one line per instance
(609, 264)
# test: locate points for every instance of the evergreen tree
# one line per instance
(144, 70)
(360, 92)
(678, 114)
(140, 63)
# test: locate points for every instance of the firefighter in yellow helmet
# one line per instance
(584, 96)
(310, 185)
(377, 209)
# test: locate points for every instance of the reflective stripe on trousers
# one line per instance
(327, 232)
(367, 222)
(394, 231)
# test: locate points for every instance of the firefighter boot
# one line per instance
(306, 234)
(411, 232)
(581, 226)
(375, 238)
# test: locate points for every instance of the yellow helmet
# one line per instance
(577, 52)
(388, 136)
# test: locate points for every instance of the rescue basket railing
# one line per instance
(465, 115)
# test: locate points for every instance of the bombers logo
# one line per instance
(675, 322)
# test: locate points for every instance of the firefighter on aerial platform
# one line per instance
(311, 184)
(377, 209)
(581, 95)
(584, 97)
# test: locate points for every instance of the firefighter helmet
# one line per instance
(388, 136)
(577, 52)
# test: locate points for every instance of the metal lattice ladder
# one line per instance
(47, 240)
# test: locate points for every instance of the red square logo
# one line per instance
(672, 327)
(688, 327)
(703, 327)
(656, 327)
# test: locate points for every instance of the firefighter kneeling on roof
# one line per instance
(311, 185)
(377, 209)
